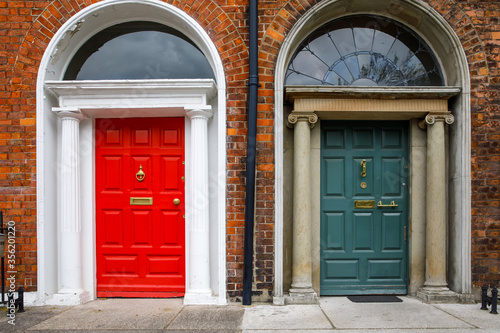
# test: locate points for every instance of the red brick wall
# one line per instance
(26, 28)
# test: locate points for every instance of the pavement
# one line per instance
(332, 314)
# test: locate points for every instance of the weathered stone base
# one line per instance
(69, 297)
(302, 296)
(278, 300)
(467, 298)
(202, 296)
(438, 295)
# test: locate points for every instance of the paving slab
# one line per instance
(293, 331)
(409, 314)
(32, 316)
(290, 317)
(390, 330)
(217, 318)
(472, 314)
(117, 314)
(96, 331)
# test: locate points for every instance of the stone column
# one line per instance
(199, 291)
(70, 282)
(435, 287)
(301, 291)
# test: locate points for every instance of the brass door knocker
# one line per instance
(140, 175)
(363, 166)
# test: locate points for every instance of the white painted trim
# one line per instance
(328, 10)
(58, 54)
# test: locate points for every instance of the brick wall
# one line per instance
(26, 28)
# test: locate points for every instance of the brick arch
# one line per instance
(456, 17)
(470, 39)
(213, 19)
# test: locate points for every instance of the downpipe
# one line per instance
(253, 85)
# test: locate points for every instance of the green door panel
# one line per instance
(364, 251)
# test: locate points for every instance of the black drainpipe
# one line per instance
(253, 83)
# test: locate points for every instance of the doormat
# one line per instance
(375, 299)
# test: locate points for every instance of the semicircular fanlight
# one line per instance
(364, 51)
(138, 50)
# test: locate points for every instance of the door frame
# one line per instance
(136, 99)
(346, 103)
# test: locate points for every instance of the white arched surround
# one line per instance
(128, 98)
(431, 26)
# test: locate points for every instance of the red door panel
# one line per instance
(140, 247)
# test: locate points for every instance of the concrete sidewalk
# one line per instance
(333, 314)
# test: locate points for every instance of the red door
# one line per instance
(140, 207)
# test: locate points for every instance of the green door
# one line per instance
(364, 207)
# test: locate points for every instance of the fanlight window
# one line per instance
(139, 50)
(364, 51)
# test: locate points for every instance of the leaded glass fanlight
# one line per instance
(364, 51)
(139, 50)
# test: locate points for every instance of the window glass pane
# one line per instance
(364, 50)
(324, 49)
(138, 50)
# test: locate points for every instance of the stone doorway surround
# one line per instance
(426, 108)
(447, 47)
(83, 101)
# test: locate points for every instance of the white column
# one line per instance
(70, 283)
(436, 287)
(301, 291)
(198, 290)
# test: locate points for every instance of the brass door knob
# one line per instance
(177, 201)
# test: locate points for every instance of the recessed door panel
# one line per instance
(113, 227)
(335, 139)
(143, 227)
(140, 230)
(391, 176)
(120, 264)
(392, 225)
(171, 166)
(342, 270)
(141, 176)
(141, 136)
(160, 265)
(169, 228)
(113, 168)
(364, 208)
(111, 137)
(335, 228)
(363, 232)
(335, 182)
(171, 137)
(385, 270)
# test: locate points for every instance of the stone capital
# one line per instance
(199, 113)
(432, 118)
(295, 117)
(71, 113)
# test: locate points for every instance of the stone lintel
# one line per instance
(370, 109)
(293, 92)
